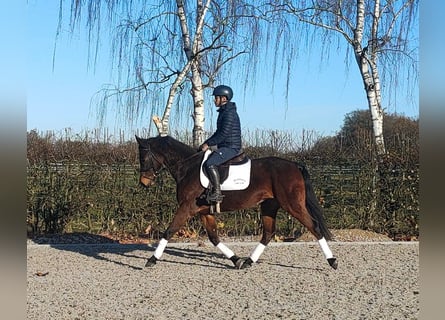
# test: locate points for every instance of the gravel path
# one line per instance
(374, 280)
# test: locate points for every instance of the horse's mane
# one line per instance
(182, 148)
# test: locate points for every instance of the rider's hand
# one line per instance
(204, 147)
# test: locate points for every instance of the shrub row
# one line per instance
(86, 184)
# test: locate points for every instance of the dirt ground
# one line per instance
(94, 277)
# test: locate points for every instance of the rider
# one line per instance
(227, 138)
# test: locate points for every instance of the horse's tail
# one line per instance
(313, 205)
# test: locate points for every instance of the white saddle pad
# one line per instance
(238, 179)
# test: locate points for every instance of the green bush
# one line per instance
(87, 183)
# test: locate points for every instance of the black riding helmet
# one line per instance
(223, 91)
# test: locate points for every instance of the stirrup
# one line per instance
(214, 200)
(215, 197)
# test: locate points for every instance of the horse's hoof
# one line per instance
(333, 263)
(237, 261)
(247, 263)
(151, 262)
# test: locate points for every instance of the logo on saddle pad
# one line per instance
(237, 178)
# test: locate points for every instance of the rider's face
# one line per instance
(220, 100)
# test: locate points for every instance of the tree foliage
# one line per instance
(355, 139)
(378, 34)
(161, 50)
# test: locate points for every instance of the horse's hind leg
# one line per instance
(315, 230)
(269, 209)
(209, 222)
(300, 212)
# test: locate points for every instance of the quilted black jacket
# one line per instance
(228, 128)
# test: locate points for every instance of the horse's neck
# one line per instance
(183, 167)
(180, 151)
(177, 156)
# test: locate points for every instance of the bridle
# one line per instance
(152, 158)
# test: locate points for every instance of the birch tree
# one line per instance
(379, 33)
(163, 50)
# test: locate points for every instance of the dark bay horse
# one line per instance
(275, 183)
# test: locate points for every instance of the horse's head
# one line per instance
(150, 163)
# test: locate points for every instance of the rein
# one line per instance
(188, 158)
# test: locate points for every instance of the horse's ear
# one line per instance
(138, 139)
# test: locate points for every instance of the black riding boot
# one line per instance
(216, 196)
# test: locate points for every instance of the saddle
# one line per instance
(223, 168)
(234, 174)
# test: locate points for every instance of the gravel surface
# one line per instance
(292, 280)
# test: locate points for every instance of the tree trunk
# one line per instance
(163, 124)
(198, 114)
(192, 52)
(366, 59)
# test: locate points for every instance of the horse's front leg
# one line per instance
(209, 222)
(180, 218)
(269, 209)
